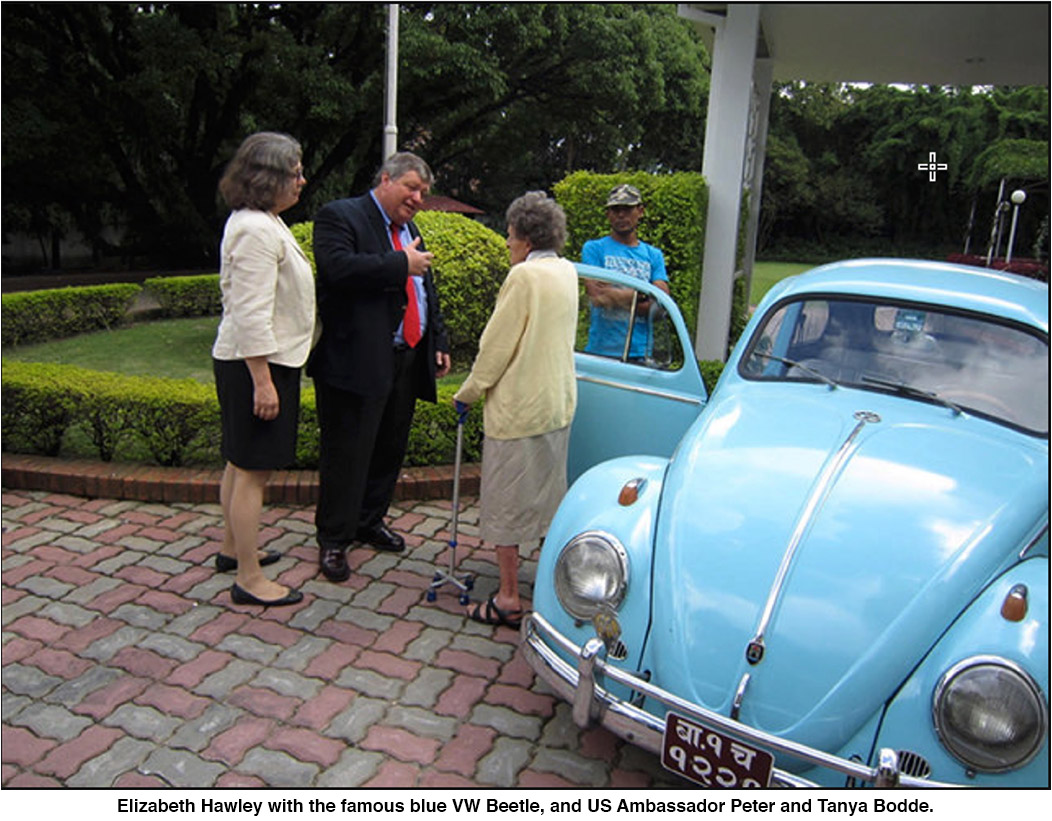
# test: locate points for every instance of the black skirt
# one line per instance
(248, 441)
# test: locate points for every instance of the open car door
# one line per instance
(638, 383)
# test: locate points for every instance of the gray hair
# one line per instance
(260, 170)
(539, 220)
(398, 165)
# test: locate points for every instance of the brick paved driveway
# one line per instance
(125, 663)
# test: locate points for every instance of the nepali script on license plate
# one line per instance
(710, 758)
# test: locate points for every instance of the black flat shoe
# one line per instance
(224, 564)
(381, 537)
(241, 596)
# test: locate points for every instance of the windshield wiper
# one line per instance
(910, 390)
(794, 364)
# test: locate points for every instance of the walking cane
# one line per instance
(467, 582)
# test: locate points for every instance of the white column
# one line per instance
(726, 126)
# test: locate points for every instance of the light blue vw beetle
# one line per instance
(832, 572)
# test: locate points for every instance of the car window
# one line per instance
(925, 353)
(626, 324)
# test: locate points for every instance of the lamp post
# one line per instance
(1018, 198)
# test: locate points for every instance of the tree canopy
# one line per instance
(842, 162)
(118, 119)
(121, 115)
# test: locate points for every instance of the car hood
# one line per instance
(897, 525)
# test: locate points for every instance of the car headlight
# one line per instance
(591, 573)
(990, 714)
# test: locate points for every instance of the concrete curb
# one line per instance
(150, 483)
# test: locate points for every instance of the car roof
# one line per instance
(941, 283)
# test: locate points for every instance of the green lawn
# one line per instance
(174, 348)
(766, 274)
(180, 348)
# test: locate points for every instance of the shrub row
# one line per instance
(53, 313)
(1033, 268)
(186, 296)
(176, 421)
(469, 265)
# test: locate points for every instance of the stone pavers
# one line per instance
(125, 663)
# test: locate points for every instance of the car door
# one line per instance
(635, 394)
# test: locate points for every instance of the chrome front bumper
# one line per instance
(581, 684)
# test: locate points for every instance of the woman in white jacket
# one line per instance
(264, 337)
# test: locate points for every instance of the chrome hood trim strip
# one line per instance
(756, 648)
(630, 388)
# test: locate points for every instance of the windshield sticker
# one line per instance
(911, 321)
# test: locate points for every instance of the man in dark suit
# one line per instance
(382, 346)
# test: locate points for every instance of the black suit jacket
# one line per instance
(361, 302)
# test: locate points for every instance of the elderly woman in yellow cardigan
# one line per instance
(525, 369)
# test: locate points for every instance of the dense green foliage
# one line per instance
(174, 421)
(710, 372)
(124, 114)
(841, 176)
(119, 118)
(674, 221)
(469, 266)
(186, 296)
(32, 316)
(170, 418)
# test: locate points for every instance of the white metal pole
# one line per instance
(390, 140)
(1018, 198)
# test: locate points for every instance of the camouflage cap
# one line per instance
(624, 195)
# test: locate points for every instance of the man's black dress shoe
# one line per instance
(333, 563)
(381, 537)
(242, 596)
(224, 564)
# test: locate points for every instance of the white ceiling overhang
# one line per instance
(961, 44)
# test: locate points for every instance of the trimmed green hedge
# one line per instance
(175, 421)
(52, 409)
(470, 264)
(36, 316)
(186, 296)
(201, 295)
(304, 234)
(172, 419)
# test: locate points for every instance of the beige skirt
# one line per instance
(523, 481)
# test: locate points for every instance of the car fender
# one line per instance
(980, 631)
(592, 504)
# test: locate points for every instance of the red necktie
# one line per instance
(411, 323)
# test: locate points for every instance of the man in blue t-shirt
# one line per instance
(621, 251)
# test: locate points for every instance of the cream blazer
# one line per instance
(268, 292)
(525, 365)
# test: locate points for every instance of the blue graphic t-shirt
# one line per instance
(606, 334)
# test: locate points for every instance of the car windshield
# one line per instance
(967, 362)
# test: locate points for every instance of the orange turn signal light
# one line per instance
(630, 492)
(1014, 607)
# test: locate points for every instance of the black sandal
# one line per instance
(494, 616)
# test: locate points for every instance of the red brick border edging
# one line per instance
(149, 483)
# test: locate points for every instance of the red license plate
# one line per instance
(710, 758)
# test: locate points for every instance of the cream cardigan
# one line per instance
(268, 292)
(525, 365)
